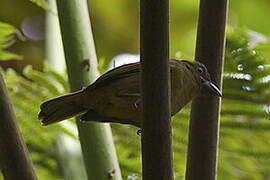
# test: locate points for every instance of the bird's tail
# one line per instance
(61, 108)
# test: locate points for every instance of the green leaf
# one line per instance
(8, 36)
(41, 3)
(5, 55)
(27, 93)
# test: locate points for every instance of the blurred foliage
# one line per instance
(251, 14)
(245, 121)
(244, 133)
(27, 92)
(41, 3)
(8, 34)
(244, 129)
(117, 24)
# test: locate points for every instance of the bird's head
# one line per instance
(203, 77)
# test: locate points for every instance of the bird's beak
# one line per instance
(209, 86)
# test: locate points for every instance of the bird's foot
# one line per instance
(137, 103)
(139, 132)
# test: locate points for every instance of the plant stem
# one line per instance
(204, 125)
(54, 46)
(14, 158)
(96, 139)
(70, 159)
(156, 129)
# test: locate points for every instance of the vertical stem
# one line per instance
(70, 160)
(204, 125)
(156, 130)
(96, 139)
(54, 46)
(14, 158)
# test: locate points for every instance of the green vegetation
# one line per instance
(244, 123)
(7, 38)
(244, 139)
(26, 95)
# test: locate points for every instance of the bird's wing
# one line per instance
(120, 72)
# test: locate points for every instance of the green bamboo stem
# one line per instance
(54, 47)
(96, 139)
(70, 160)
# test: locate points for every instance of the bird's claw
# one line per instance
(136, 104)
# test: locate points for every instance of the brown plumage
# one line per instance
(115, 96)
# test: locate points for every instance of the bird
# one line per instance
(115, 96)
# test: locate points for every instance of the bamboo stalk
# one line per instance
(53, 42)
(204, 125)
(14, 158)
(70, 160)
(96, 139)
(156, 129)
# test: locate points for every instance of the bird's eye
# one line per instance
(200, 70)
